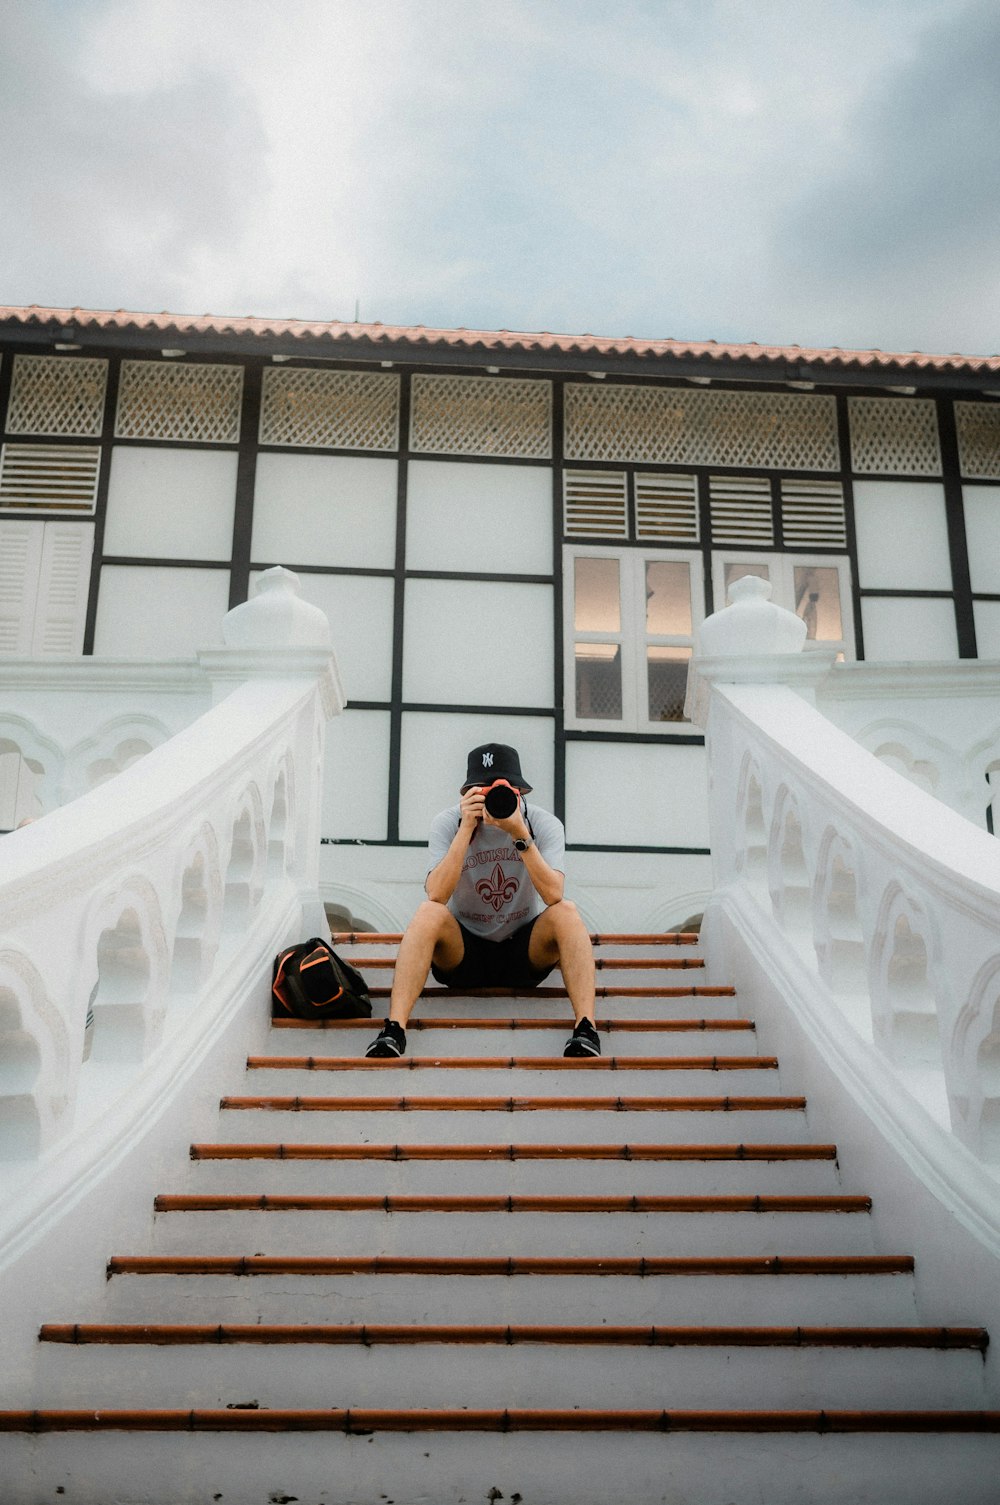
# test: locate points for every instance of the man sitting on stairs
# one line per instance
(494, 916)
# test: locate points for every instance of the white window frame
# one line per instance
(632, 635)
(782, 567)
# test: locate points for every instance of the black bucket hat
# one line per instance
(492, 761)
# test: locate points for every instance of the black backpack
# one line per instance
(310, 981)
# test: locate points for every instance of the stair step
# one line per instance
(619, 963)
(579, 1267)
(456, 1022)
(656, 938)
(368, 1333)
(434, 991)
(505, 1152)
(401, 1203)
(365, 1421)
(535, 1373)
(568, 1065)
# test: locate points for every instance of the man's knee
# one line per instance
(430, 918)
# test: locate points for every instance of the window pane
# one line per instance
(734, 572)
(597, 602)
(817, 602)
(667, 670)
(668, 597)
(599, 681)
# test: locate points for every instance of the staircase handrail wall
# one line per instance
(871, 906)
(137, 921)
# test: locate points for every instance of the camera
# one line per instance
(502, 799)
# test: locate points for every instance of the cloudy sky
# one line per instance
(797, 171)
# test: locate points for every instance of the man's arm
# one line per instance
(548, 881)
(440, 882)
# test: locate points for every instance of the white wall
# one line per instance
(356, 776)
(159, 612)
(434, 756)
(171, 503)
(986, 615)
(475, 642)
(359, 610)
(324, 509)
(496, 518)
(982, 531)
(640, 794)
(902, 536)
(908, 628)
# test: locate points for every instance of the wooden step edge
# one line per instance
(605, 1026)
(464, 1152)
(615, 963)
(544, 992)
(365, 1421)
(576, 1266)
(630, 938)
(394, 1203)
(617, 1104)
(512, 1063)
(974, 1339)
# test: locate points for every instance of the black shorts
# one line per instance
(494, 964)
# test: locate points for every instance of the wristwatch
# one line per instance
(522, 846)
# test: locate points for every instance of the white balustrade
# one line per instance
(873, 907)
(141, 916)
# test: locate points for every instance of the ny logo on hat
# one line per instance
(487, 760)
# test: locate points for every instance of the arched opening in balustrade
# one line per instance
(920, 771)
(19, 778)
(278, 829)
(123, 984)
(754, 864)
(242, 884)
(791, 888)
(188, 963)
(912, 1010)
(993, 798)
(127, 752)
(845, 943)
(20, 1063)
(988, 1072)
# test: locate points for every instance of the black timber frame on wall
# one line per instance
(556, 368)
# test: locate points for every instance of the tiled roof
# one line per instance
(354, 337)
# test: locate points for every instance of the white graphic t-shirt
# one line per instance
(494, 895)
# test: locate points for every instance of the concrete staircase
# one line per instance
(488, 1273)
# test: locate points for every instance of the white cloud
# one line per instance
(699, 168)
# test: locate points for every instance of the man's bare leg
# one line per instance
(433, 935)
(560, 936)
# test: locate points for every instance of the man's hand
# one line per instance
(515, 825)
(472, 808)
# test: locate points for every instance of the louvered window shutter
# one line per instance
(20, 563)
(741, 510)
(666, 506)
(63, 588)
(812, 514)
(595, 504)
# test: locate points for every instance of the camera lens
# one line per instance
(501, 801)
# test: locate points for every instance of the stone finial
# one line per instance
(753, 625)
(276, 616)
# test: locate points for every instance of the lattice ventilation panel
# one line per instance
(481, 415)
(978, 425)
(666, 506)
(49, 477)
(162, 400)
(595, 504)
(53, 394)
(330, 409)
(894, 436)
(741, 510)
(780, 431)
(812, 514)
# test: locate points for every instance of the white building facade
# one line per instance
(514, 538)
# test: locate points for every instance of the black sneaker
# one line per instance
(391, 1042)
(584, 1041)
